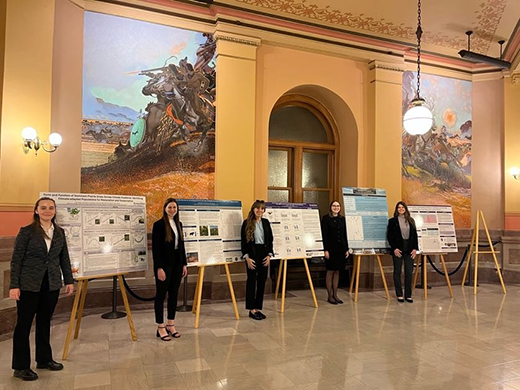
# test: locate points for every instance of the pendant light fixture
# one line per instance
(418, 119)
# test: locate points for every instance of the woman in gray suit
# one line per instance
(40, 256)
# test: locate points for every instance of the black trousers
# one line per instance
(171, 286)
(41, 304)
(255, 285)
(408, 271)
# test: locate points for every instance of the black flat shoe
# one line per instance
(26, 375)
(410, 300)
(262, 315)
(332, 302)
(339, 301)
(255, 316)
(400, 300)
(52, 365)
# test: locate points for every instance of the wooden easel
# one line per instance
(424, 257)
(79, 304)
(283, 268)
(356, 271)
(198, 290)
(474, 249)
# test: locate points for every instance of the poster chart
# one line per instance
(211, 230)
(296, 229)
(435, 228)
(105, 233)
(366, 214)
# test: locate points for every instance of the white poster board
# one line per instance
(211, 230)
(435, 228)
(366, 215)
(296, 229)
(105, 233)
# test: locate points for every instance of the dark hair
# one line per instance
(251, 219)
(36, 225)
(407, 215)
(166, 219)
(330, 207)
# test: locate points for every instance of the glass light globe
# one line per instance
(29, 134)
(515, 172)
(55, 139)
(418, 119)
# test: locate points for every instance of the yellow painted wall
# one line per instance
(26, 98)
(512, 147)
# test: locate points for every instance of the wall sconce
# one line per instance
(32, 141)
(515, 172)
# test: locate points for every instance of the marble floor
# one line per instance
(469, 342)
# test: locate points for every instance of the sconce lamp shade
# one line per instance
(29, 134)
(418, 119)
(55, 139)
(515, 172)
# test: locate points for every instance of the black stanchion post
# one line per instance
(185, 307)
(114, 313)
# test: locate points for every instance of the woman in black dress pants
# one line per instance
(402, 237)
(257, 250)
(40, 257)
(334, 234)
(170, 266)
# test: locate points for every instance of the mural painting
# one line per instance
(148, 111)
(436, 167)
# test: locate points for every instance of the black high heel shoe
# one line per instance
(332, 302)
(175, 335)
(338, 300)
(166, 337)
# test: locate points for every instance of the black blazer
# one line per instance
(248, 248)
(31, 260)
(163, 251)
(334, 234)
(394, 237)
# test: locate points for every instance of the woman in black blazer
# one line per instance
(334, 234)
(40, 257)
(257, 250)
(170, 266)
(402, 237)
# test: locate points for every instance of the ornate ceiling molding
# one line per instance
(487, 20)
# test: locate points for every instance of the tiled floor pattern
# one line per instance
(463, 343)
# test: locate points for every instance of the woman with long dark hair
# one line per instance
(402, 237)
(334, 234)
(257, 250)
(39, 259)
(170, 266)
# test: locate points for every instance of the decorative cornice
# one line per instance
(234, 39)
(386, 66)
(515, 78)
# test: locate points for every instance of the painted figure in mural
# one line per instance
(170, 266)
(40, 257)
(257, 250)
(402, 237)
(334, 233)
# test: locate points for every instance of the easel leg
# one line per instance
(199, 296)
(127, 308)
(310, 282)
(383, 276)
(195, 295)
(358, 269)
(280, 270)
(494, 255)
(447, 276)
(416, 273)
(81, 306)
(476, 254)
(231, 291)
(468, 258)
(72, 319)
(425, 275)
(284, 283)
(353, 276)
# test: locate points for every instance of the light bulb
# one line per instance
(515, 172)
(29, 134)
(55, 139)
(418, 119)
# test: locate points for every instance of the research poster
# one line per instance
(366, 215)
(105, 233)
(296, 229)
(211, 230)
(435, 228)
